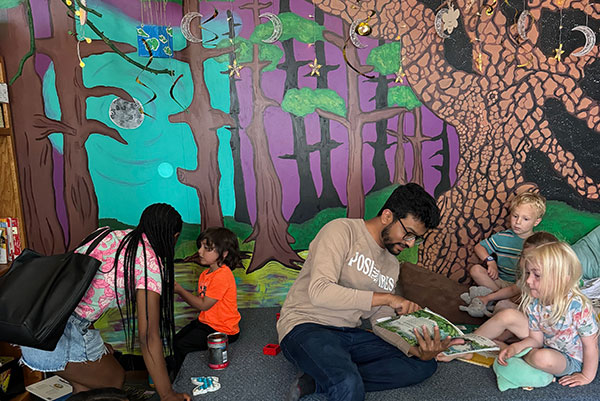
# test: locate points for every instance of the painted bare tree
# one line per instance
(204, 122)
(79, 195)
(272, 240)
(497, 110)
(31, 129)
(354, 121)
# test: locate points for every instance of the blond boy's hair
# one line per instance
(529, 198)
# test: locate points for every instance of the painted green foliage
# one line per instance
(293, 27)
(385, 58)
(9, 3)
(301, 102)
(243, 52)
(403, 96)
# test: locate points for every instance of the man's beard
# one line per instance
(389, 245)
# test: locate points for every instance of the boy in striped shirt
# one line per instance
(500, 253)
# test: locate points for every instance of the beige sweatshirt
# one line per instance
(335, 287)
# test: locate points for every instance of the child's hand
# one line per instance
(177, 288)
(492, 270)
(483, 299)
(576, 379)
(507, 353)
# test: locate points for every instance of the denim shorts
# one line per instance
(77, 344)
(573, 366)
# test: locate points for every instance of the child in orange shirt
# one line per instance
(217, 293)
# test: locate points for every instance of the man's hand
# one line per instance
(403, 305)
(492, 270)
(429, 347)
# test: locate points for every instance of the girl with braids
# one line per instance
(218, 249)
(137, 271)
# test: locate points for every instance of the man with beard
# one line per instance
(350, 274)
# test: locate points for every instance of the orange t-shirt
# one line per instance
(220, 285)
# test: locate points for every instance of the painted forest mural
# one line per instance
(274, 117)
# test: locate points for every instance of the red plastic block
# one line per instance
(277, 316)
(271, 349)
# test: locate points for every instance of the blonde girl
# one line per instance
(562, 325)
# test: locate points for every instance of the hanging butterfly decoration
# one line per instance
(446, 20)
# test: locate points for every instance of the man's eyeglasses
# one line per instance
(411, 236)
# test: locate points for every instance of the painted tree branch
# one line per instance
(98, 127)
(48, 126)
(99, 91)
(111, 44)
(335, 117)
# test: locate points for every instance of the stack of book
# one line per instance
(10, 239)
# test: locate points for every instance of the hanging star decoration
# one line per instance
(479, 62)
(315, 68)
(400, 76)
(558, 52)
(235, 68)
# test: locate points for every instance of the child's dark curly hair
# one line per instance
(223, 240)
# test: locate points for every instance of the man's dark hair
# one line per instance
(412, 199)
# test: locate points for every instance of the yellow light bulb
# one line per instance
(81, 64)
(69, 2)
(77, 13)
(88, 40)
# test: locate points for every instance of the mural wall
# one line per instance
(273, 118)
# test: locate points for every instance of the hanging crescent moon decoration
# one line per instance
(185, 27)
(522, 26)
(590, 40)
(439, 23)
(354, 35)
(277, 27)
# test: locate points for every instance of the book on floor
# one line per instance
(399, 330)
(54, 388)
(483, 358)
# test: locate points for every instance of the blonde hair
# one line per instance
(560, 271)
(534, 240)
(529, 198)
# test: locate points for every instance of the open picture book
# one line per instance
(399, 330)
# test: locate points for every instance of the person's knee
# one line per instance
(425, 370)
(350, 387)
(477, 270)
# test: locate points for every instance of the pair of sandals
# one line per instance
(205, 384)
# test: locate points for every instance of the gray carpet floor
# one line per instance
(254, 376)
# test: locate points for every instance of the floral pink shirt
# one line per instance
(565, 335)
(101, 294)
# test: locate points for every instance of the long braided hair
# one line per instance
(160, 223)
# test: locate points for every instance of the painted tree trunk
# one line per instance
(33, 148)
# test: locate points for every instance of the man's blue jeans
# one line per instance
(347, 362)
